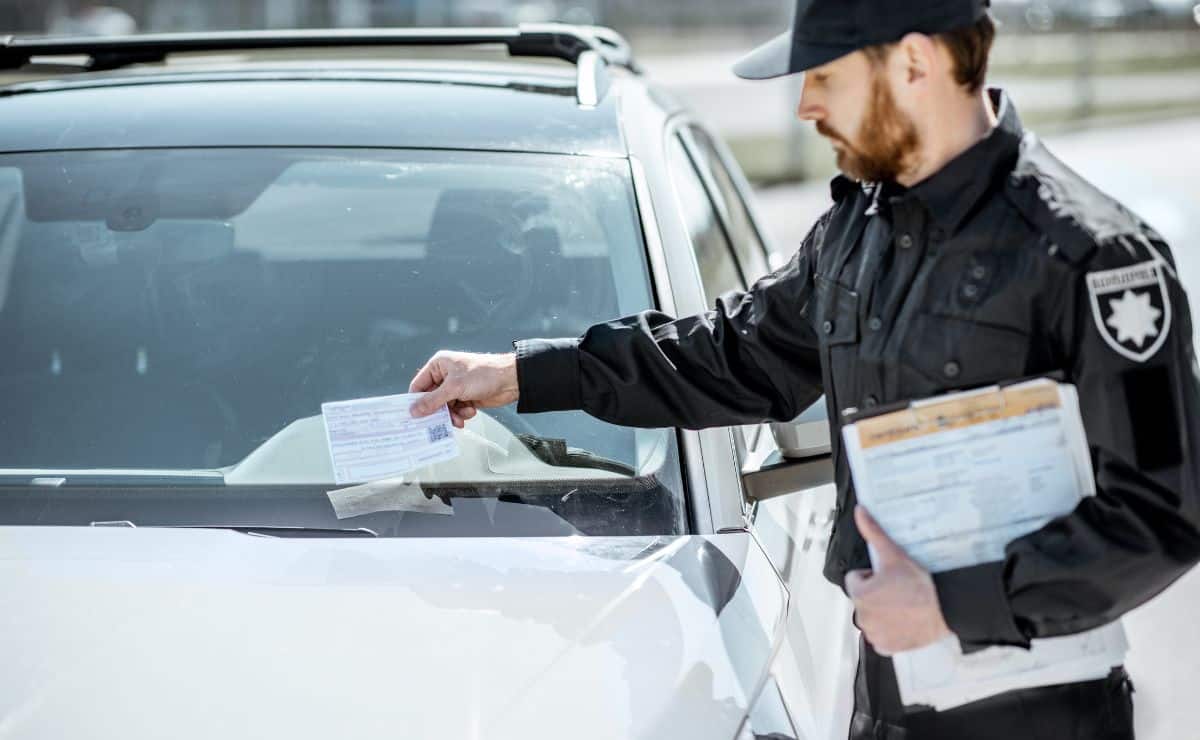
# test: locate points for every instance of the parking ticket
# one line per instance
(373, 439)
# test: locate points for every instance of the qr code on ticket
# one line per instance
(437, 433)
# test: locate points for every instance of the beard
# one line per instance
(889, 141)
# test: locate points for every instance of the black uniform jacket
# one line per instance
(1003, 265)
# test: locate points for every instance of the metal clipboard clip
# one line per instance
(853, 415)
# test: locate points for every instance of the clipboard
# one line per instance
(953, 478)
(855, 415)
(953, 489)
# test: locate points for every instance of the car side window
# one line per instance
(718, 268)
(747, 244)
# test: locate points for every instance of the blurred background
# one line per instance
(1114, 85)
(1068, 63)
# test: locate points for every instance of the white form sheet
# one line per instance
(953, 480)
(373, 439)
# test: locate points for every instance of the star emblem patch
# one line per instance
(1132, 309)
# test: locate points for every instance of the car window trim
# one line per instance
(740, 185)
(709, 188)
(686, 442)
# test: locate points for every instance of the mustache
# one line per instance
(829, 133)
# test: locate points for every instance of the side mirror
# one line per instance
(801, 461)
(807, 435)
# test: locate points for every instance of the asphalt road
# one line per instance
(1155, 170)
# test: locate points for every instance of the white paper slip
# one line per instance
(393, 494)
(376, 438)
(942, 677)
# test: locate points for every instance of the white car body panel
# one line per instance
(151, 633)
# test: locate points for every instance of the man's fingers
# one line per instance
(885, 549)
(857, 581)
(443, 395)
(461, 413)
(423, 381)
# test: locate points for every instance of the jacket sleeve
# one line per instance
(752, 358)
(1130, 355)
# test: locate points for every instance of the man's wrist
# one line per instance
(547, 375)
(510, 385)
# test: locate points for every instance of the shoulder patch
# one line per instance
(1076, 216)
(1132, 308)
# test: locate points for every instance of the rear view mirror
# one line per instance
(163, 242)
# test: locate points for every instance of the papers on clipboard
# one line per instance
(953, 480)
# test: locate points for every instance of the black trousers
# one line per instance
(1095, 710)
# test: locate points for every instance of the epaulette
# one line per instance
(1075, 217)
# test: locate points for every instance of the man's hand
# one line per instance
(465, 382)
(896, 605)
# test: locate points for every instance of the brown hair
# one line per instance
(969, 48)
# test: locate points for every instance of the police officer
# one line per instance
(959, 252)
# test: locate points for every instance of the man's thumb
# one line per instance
(432, 401)
(885, 549)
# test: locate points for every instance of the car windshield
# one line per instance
(172, 322)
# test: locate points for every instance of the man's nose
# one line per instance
(809, 108)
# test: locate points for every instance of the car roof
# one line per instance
(522, 107)
(131, 94)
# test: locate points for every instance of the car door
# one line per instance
(814, 670)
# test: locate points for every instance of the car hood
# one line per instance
(130, 633)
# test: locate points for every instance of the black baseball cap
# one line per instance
(825, 30)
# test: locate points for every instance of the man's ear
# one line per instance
(916, 54)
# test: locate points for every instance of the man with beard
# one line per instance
(959, 253)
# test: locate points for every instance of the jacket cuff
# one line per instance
(547, 375)
(975, 606)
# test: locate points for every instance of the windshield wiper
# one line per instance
(555, 452)
(99, 478)
(290, 532)
(265, 530)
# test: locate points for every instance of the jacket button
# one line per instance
(979, 272)
(970, 291)
(827, 327)
(870, 402)
(875, 323)
(905, 241)
(951, 369)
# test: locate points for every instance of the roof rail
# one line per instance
(549, 40)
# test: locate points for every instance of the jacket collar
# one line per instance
(953, 192)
